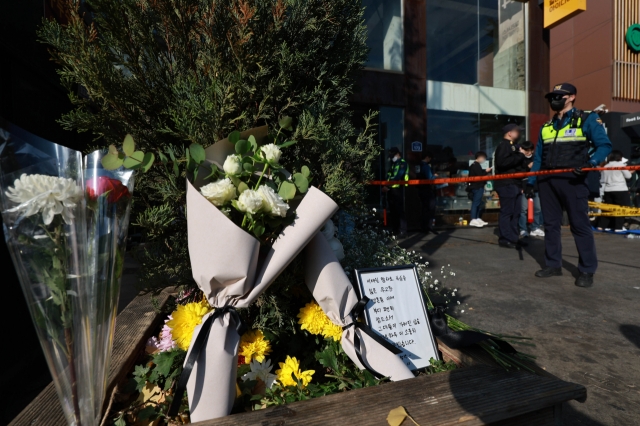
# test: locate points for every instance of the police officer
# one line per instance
(572, 139)
(395, 194)
(427, 194)
(509, 159)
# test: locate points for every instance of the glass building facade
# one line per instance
(476, 80)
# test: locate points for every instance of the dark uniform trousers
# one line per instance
(428, 204)
(510, 209)
(572, 193)
(397, 219)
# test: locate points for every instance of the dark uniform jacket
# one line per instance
(509, 159)
(476, 169)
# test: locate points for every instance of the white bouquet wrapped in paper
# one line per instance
(270, 218)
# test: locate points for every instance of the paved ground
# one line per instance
(588, 336)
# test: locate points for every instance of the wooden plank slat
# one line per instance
(475, 395)
(134, 326)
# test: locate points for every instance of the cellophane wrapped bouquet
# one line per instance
(65, 222)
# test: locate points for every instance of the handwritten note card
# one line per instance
(396, 311)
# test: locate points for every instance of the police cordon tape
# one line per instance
(521, 175)
(612, 210)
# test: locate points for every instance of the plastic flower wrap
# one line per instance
(289, 373)
(65, 222)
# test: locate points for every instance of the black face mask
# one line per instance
(558, 104)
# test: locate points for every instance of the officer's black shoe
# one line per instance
(549, 272)
(584, 280)
(508, 245)
(522, 244)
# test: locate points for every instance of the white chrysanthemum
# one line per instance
(50, 195)
(262, 371)
(232, 165)
(273, 203)
(271, 152)
(219, 192)
(250, 201)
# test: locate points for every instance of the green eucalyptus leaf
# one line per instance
(254, 143)
(176, 170)
(111, 162)
(147, 161)
(287, 143)
(248, 167)
(285, 122)
(234, 137)
(134, 161)
(190, 162)
(128, 146)
(305, 171)
(214, 172)
(243, 146)
(287, 190)
(113, 150)
(197, 152)
(301, 182)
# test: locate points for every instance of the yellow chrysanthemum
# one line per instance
(332, 330)
(315, 321)
(290, 371)
(253, 345)
(184, 321)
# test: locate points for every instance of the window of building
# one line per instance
(384, 34)
(476, 42)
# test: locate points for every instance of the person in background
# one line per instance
(572, 139)
(395, 194)
(427, 194)
(476, 189)
(527, 149)
(615, 190)
(509, 159)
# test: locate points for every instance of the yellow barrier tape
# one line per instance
(613, 210)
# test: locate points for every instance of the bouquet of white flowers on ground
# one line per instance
(247, 219)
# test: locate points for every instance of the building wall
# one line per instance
(581, 51)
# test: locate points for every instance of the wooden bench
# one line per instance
(478, 393)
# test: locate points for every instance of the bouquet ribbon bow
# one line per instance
(227, 267)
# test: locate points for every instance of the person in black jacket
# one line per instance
(476, 189)
(509, 159)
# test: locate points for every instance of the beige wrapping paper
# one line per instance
(334, 293)
(226, 265)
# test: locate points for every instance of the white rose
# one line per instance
(250, 201)
(274, 204)
(232, 165)
(272, 153)
(219, 192)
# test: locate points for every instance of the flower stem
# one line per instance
(72, 373)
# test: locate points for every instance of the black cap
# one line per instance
(509, 127)
(563, 89)
(393, 151)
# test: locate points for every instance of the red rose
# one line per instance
(103, 185)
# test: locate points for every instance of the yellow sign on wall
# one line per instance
(556, 11)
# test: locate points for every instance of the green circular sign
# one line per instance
(633, 37)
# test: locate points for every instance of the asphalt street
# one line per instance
(587, 336)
